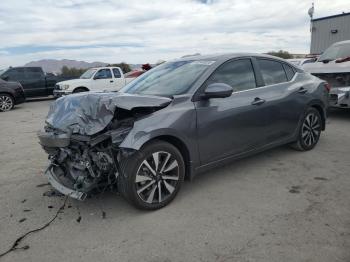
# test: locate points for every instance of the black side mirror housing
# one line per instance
(217, 90)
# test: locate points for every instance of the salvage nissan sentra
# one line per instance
(177, 120)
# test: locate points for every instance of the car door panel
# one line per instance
(232, 125)
(103, 80)
(225, 130)
(283, 100)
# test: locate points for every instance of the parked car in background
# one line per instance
(179, 119)
(301, 61)
(11, 94)
(334, 67)
(94, 79)
(33, 80)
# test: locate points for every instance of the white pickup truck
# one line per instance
(94, 79)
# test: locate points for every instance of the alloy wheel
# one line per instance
(6, 103)
(311, 129)
(157, 177)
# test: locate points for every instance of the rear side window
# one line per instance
(238, 74)
(272, 72)
(289, 71)
(116, 73)
(33, 73)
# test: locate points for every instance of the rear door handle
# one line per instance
(302, 90)
(258, 101)
(111, 81)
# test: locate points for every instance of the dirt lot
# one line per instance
(280, 205)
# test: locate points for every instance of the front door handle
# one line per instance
(111, 81)
(258, 101)
(302, 90)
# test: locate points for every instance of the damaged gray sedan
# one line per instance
(177, 120)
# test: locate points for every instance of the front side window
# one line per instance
(272, 71)
(239, 74)
(15, 74)
(103, 74)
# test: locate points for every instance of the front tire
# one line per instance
(6, 102)
(309, 130)
(152, 177)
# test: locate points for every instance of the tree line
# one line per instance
(76, 72)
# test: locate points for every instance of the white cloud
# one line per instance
(146, 31)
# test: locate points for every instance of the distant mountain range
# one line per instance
(55, 66)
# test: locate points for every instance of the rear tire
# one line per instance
(152, 176)
(6, 102)
(309, 130)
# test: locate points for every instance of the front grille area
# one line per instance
(57, 87)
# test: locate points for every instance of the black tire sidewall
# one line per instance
(300, 139)
(13, 101)
(131, 166)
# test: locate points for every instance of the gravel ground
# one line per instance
(280, 205)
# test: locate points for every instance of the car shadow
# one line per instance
(114, 204)
(39, 99)
(339, 113)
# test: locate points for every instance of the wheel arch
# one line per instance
(177, 142)
(182, 147)
(9, 94)
(81, 87)
(322, 112)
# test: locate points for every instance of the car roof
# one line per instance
(228, 56)
(104, 67)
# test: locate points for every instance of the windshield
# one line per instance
(2, 71)
(88, 74)
(335, 52)
(168, 79)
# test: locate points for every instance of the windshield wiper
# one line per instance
(325, 61)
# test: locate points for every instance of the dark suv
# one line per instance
(178, 119)
(11, 94)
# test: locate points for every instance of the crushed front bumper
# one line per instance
(54, 181)
(339, 97)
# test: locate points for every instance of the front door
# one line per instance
(103, 80)
(233, 125)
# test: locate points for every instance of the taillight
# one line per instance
(327, 86)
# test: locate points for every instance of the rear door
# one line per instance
(283, 96)
(103, 80)
(233, 125)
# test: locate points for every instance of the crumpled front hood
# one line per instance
(330, 67)
(89, 113)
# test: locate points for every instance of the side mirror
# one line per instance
(217, 90)
(96, 77)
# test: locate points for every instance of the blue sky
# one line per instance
(148, 31)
